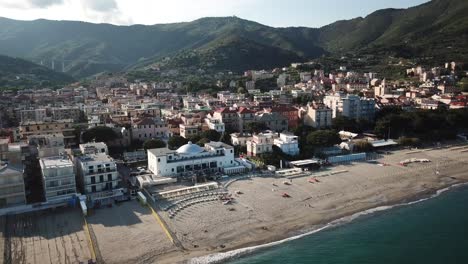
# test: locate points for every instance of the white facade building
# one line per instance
(97, 173)
(58, 177)
(191, 158)
(36, 115)
(289, 144)
(238, 139)
(93, 148)
(66, 112)
(260, 143)
(11, 185)
(318, 116)
(215, 124)
(351, 106)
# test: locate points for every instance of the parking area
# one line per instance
(128, 233)
(45, 237)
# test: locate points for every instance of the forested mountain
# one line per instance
(436, 29)
(17, 73)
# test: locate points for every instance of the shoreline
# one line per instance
(254, 246)
(262, 220)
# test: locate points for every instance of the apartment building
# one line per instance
(215, 124)
(318, 116)
(66, 112)
(351, 106)
(260, 143)
(48, 127)
(12, 191)
(288, 143)
(34, 115)
(58, 178)
(148, 128)
(96, 173)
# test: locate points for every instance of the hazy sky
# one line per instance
(279, 13)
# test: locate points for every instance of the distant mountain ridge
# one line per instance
(438, 28)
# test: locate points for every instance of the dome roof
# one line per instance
(189, 149)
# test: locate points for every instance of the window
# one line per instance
(159, 160)
(109, 177)
(93, 188)
(93, 180)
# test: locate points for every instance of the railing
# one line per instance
(60, 187)
(194, 158)
(100, 171)
(99, 182)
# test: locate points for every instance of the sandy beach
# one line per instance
(260, 214)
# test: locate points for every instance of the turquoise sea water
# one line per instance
(433, 231)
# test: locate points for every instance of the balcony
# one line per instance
(89, 183)
(61, 187)
(101, 171)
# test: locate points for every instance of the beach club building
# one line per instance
(191, 158)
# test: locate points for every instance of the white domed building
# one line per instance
(190, 159)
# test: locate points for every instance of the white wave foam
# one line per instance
(223, 256)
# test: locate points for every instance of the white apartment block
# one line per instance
(351, 106)
(238, 139)
(215, 124)
(260, 143)
(11, 185)
(66, 112)
(58, 177)
(288, 143)
(34, 115)
(94, 148)
(318, 116)
(97, 173)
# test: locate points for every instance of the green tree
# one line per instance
(406, 141)
(323, 138)
(241, 90)
(256, 127)
(344, 123)
(154, 143)
(176, 142)
(99, 134)
(202, 142)
(211, 134)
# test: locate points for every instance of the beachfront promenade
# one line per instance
(257, 212)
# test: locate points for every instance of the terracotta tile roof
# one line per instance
(244, 110)
(145, 121)
(225, 110)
